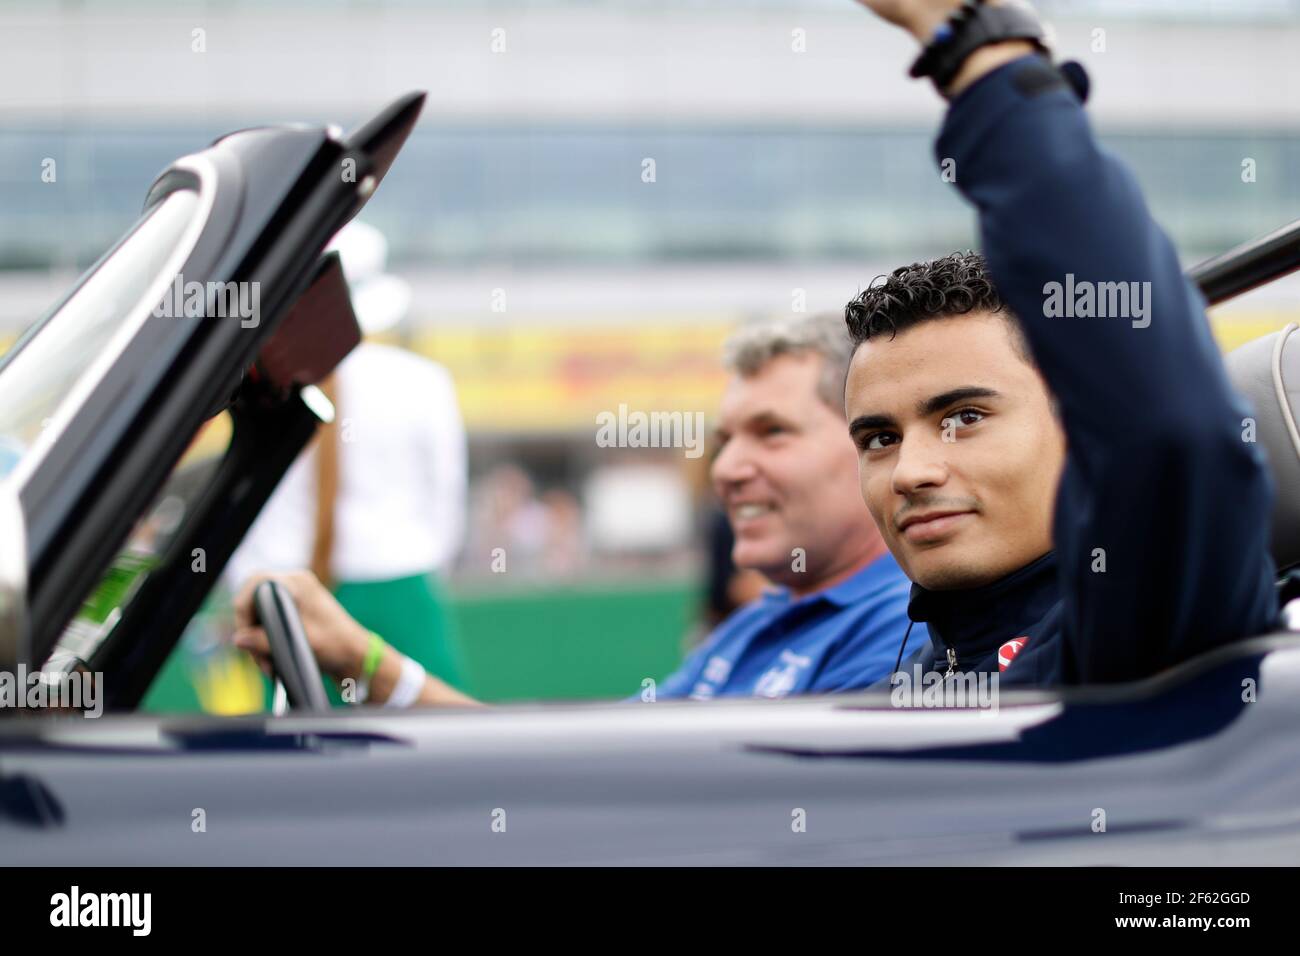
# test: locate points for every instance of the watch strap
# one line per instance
(973, 25)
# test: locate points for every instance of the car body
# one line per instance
(117, 519)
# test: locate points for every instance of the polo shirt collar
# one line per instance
(871, 578)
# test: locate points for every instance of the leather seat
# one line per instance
(1267, 372)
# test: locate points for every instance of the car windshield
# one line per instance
(52, 371)
(152, 534)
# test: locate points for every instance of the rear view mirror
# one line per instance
(319, 330)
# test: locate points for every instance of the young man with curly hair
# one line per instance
(1047, 439)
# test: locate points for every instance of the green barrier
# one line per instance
(573, 644)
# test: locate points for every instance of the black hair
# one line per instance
(955, 284)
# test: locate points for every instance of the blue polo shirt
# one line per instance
(842, 638)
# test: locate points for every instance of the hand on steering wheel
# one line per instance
(291, 656)
(332, 642)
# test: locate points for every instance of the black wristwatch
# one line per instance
(972, 25)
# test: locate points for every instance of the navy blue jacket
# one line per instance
(1160, 488)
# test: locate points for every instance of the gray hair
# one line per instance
(752, 346)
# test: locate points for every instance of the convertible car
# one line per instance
(137, 445)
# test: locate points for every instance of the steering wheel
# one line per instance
(291, 655)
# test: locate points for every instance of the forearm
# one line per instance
(388, 673)
(984, 61)
(1057, 213)
(1116, 328)
(438, 693)
(924, 18)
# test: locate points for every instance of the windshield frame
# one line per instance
(279, 198)
(133, 319)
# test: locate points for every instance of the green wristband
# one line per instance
(374, 654)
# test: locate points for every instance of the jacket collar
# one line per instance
(976, 621)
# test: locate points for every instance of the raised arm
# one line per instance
(1161, 523)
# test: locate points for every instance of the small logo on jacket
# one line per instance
(1008, 651)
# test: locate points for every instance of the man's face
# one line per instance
(959, 452)
(787, 475)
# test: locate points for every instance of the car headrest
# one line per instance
(1267, 372)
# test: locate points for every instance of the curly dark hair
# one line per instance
(953, 285)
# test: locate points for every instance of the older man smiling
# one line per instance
(789, 485)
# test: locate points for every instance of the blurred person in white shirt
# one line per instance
(375, 506)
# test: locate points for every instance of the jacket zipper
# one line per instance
(952, 663)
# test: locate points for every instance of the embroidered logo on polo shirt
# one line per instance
(781, 679)
(1008, 651)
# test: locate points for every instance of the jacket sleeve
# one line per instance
(1162, 515)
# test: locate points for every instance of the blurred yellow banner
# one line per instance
(551, 375)
(557, 377)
